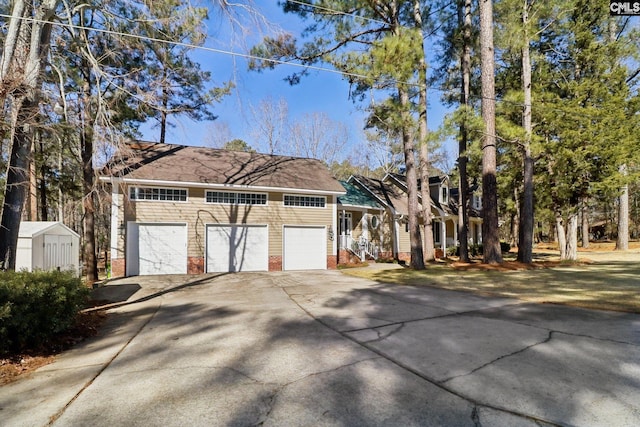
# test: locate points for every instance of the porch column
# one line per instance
(455, 233)
(443, 237)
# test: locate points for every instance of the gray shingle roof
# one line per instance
(179, 163)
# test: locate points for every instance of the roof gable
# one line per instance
(357, 197)
(36, 228)
(186, 164)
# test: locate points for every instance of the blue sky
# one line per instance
(318, 92)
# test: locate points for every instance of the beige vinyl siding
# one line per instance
(404, 243)
(196, 213)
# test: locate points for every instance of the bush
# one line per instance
(35, 306)
(476, 249)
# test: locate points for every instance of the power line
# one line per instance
(337, 12)
(245, 56)
(208, 49)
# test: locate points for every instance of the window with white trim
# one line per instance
(235, 198)
(305, 201)
(158, 194)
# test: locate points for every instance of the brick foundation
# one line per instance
(275, 263)
(347, 257)
(195, 265)
(404, 256)
(332, 262)
(117, 267)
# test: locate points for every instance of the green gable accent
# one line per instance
(357, 197)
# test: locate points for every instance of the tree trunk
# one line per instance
(32, 194)
(24, 51)
(86, 152)
(44, 208)
(428, 247)
(17, 184)
(622, 241)
(463, 186)
(417, 259)
(525, 232)
(490, 236)
(88, 206)
(164, 112)
(572, 237)
(585, 223)
(561, 236)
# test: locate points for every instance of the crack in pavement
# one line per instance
(417, 373)
(382, 337)
(573, 334)
(274, 395)
(504, 356)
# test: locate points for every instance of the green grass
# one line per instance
(613, 285)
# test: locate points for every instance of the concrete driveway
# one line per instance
(321, 348)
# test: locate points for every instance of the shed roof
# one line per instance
(36, 228)
(179, 163)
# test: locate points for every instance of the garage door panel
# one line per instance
(232, 248)
(305, 248)
(162, 249)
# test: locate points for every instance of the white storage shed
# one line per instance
(47, 245)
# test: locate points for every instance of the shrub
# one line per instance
(35, 306)
(476, 249)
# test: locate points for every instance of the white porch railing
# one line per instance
(360, 247)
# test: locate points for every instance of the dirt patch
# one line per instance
(12, 366)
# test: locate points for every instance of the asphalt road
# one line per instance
(321, 348)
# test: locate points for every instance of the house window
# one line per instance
(158, 193)
(231, 198)
(305, 201)
(445, 195)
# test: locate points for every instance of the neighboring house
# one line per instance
(373, 217)
(180, 209)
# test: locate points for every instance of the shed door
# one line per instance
(162, 249)
(305, 248)
(57, 253)
(233, 248)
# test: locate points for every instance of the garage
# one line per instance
(305, 248)
(234, 248)
(156, 249)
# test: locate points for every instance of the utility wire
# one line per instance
(247, 56)
(337, 12)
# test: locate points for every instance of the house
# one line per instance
(373, 217)
(180, 209)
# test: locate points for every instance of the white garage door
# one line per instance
(305, 248)
(232, 248)
(162, 249)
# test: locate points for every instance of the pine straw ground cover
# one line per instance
(600, 279)
(14, 365)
